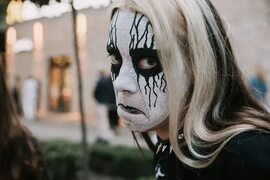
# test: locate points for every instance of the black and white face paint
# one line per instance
(139, 82)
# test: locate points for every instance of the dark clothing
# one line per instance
(245, 157)
(113, 116)
(104, 92)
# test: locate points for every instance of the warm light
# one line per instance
(81, 30)
(11, 36)
(14, 12)
(30, 11)
(54, 9)
(23, 45)
(18, 11)
(38, 36)
(81, 24)
(82, 4)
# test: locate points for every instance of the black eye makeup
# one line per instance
(146, 62)
(116, 61)
(112, 49)
(115, 57)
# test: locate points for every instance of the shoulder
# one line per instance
(248, 155)
(250, 142)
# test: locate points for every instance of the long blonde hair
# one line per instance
(216, 105)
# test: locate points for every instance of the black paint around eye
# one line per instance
(138, 54)
(117, 59)
(112, 47)
(115, 68)
(142, 47)
(112, 50)
(151, 61)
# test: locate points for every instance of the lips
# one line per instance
(129, 109)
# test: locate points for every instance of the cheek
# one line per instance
(153, 89)
(160, 112)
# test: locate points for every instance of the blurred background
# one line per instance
(39, 50)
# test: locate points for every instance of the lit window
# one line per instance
(81, 30)
(38, 36)
(11, 36)
(14, 12)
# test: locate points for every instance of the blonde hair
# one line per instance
(216, 105)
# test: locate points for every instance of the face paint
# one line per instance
(139, 82)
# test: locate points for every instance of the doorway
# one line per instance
(60, 84)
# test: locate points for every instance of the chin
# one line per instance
(144, 126)
(129, 117)
(135, 126)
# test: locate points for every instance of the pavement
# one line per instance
(67, 127)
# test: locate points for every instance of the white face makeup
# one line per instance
(139, 82)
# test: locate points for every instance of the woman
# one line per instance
(174, 72)
(20, 157)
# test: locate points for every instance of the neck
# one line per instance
(163, 130)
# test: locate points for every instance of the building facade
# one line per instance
(44, 48)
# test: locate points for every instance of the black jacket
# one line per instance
(245, 157)
(104, 92)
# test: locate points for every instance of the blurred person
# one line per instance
(112, 108)
(258, 84)
(105, 100)
(174, 72)
(30, 98)
(16, 94)
(20, 156)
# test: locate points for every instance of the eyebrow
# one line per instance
(143, 52)
(112, 50)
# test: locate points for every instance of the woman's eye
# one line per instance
(147, 63)
(116, 59)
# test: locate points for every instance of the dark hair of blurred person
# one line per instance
(20, 157)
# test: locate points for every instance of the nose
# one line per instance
(126, 79)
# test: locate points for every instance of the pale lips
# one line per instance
(130, 109)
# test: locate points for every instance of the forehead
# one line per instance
(131, 26)
(124, 19)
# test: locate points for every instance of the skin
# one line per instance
(139, 83)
